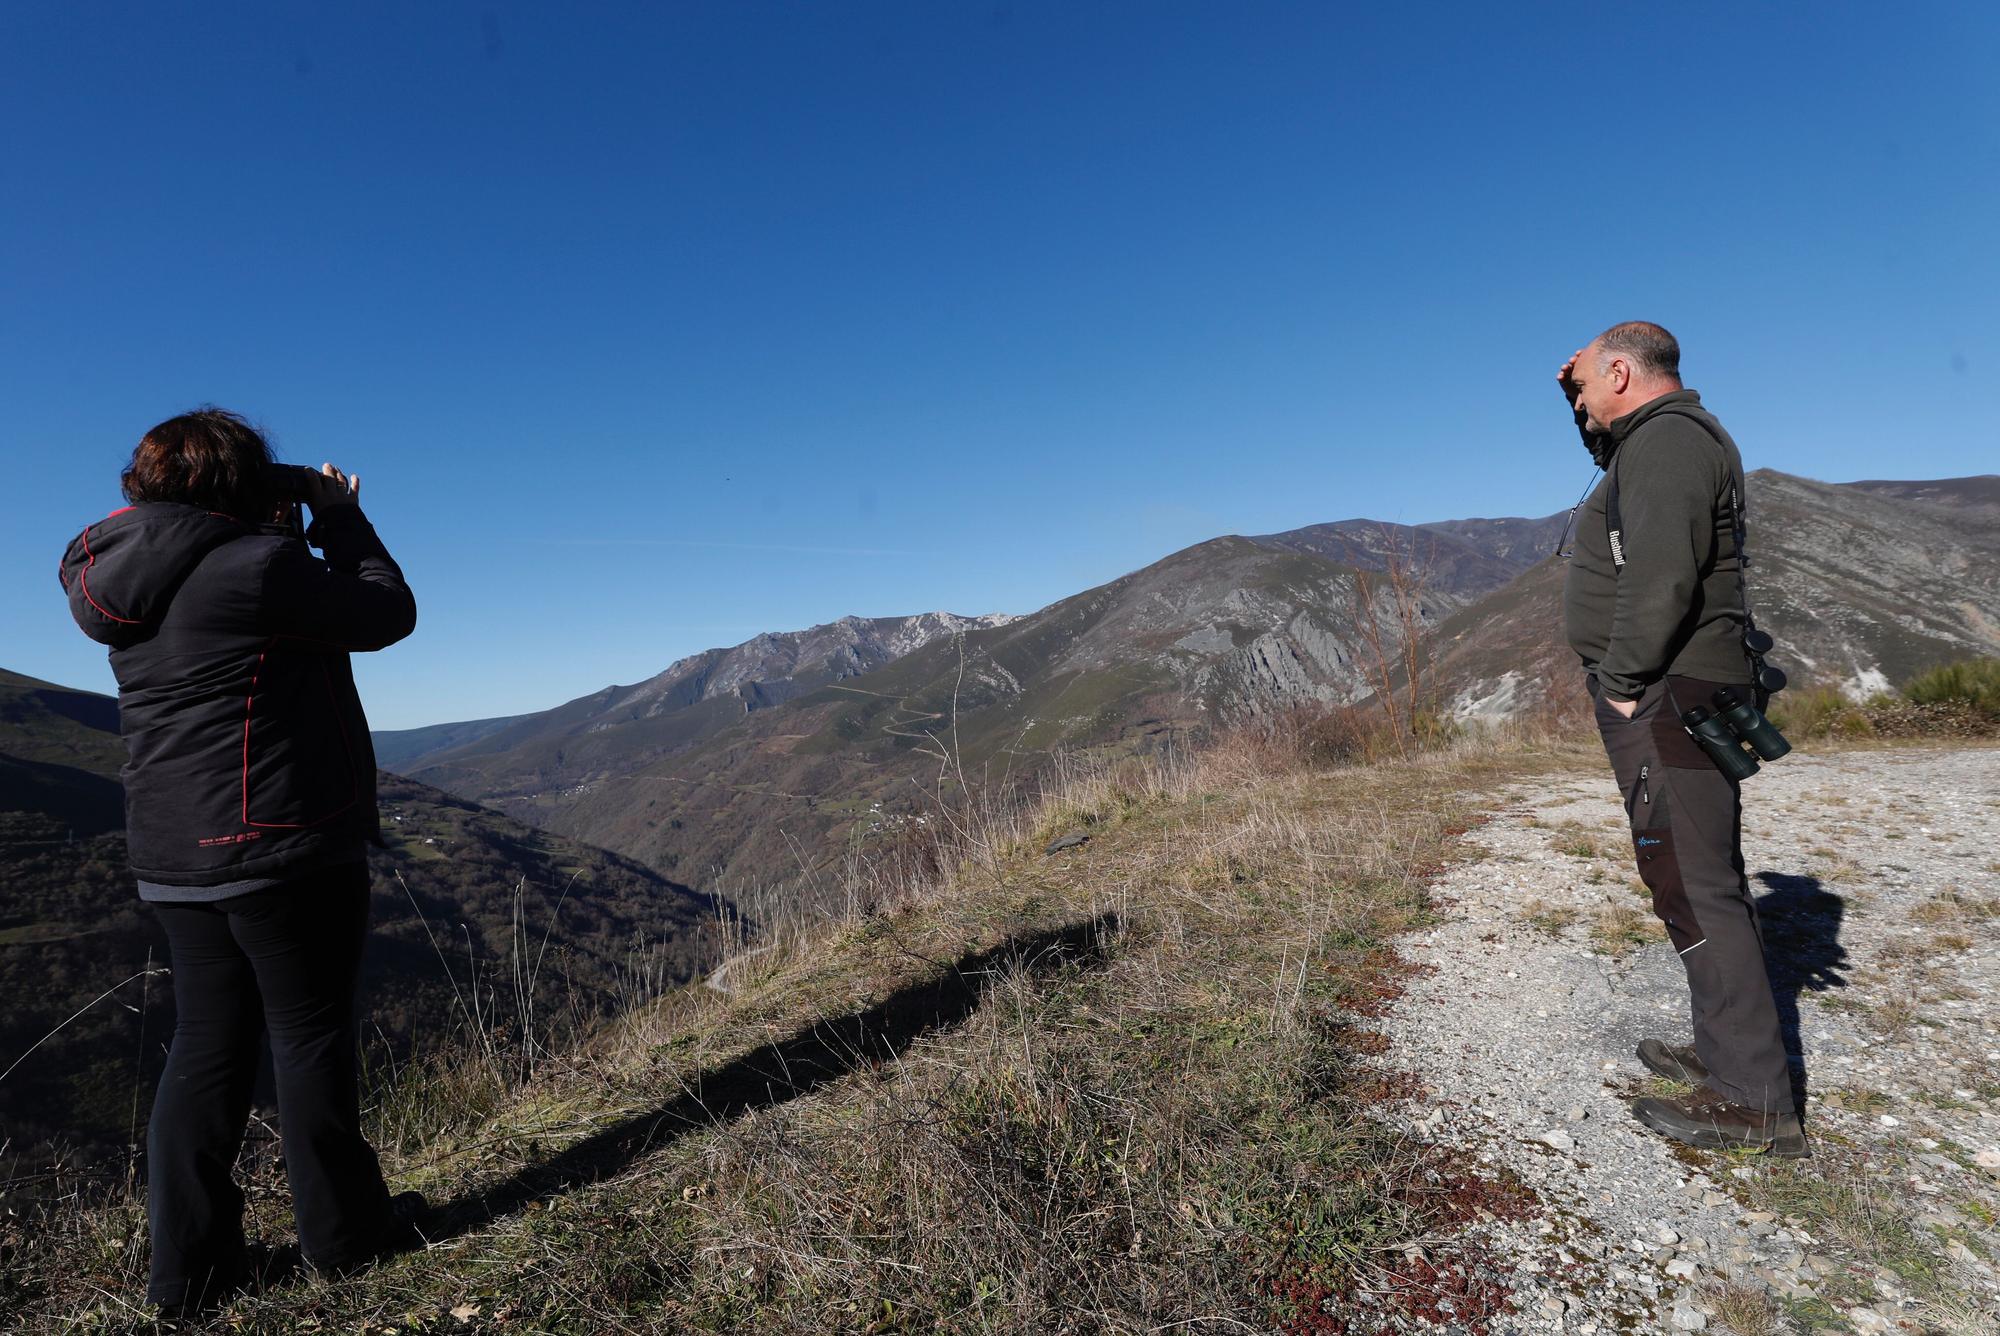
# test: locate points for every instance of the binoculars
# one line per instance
(290, 483)
(1734, 724)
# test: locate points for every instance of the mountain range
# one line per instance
(753, 764)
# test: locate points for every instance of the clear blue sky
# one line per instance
(652, 327)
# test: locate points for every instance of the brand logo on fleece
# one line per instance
(244, 838)
(1648, 841)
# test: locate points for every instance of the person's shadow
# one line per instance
(780, 1072)
(1802, 950)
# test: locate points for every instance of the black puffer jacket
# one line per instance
(247, 752)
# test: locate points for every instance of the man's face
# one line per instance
(1598, 391)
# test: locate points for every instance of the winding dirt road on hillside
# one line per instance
(1878, 877)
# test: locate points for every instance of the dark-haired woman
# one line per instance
(250, 803)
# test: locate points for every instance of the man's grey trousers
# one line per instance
(1686, 820)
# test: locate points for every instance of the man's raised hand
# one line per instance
(1566, 377)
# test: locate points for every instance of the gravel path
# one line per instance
(1878, 875)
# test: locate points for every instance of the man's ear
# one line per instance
(1619, 373)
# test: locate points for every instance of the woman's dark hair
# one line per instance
(210, 458)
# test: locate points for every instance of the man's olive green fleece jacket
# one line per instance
(1676, 607)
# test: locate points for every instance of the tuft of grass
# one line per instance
(1616, 929)
(1548, 918)
(1746, 1310)
(1577, 841)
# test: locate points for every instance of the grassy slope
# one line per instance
(1113, 1087)
(59, 755)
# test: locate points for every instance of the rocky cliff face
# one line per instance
(771, 668)
(1867, 584)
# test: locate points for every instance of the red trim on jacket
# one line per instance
(83, 580)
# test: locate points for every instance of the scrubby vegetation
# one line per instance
(1974, 682)
(1955, 700)
(972, 1085)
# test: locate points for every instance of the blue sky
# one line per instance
(652, 327)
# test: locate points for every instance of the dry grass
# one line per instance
(1954, 908)
(969, 1086)
(1575, 840)
(1746, 1310)
(1549, 918)
(1616, 929)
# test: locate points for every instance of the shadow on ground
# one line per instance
(784, 1071)
(1802, 951)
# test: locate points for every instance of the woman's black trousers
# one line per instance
(284, 960)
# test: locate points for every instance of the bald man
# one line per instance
(1654, 607)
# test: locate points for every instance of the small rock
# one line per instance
(1557, 1139)
(1076, 839)
(1576, 1114)
(1890, 1120)
(1989, 1160)
(1681, 1269)
(1714, 1199)
(1867, 1320)
(1759, 1217)
(1667, 1235)
(1689, 1318)
(1554, 1307)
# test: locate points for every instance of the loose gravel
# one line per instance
(1878, 881)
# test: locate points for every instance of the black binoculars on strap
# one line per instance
(1731, 726)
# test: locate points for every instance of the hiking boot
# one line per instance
(412, 1220)
(404, 1231)
(1676, 1062)
(1707, 1120)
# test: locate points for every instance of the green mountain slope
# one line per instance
(59, 754)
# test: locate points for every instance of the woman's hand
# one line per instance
(332, 489)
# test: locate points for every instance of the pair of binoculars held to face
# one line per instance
(1735, 734)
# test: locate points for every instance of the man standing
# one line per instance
(1654, 607)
